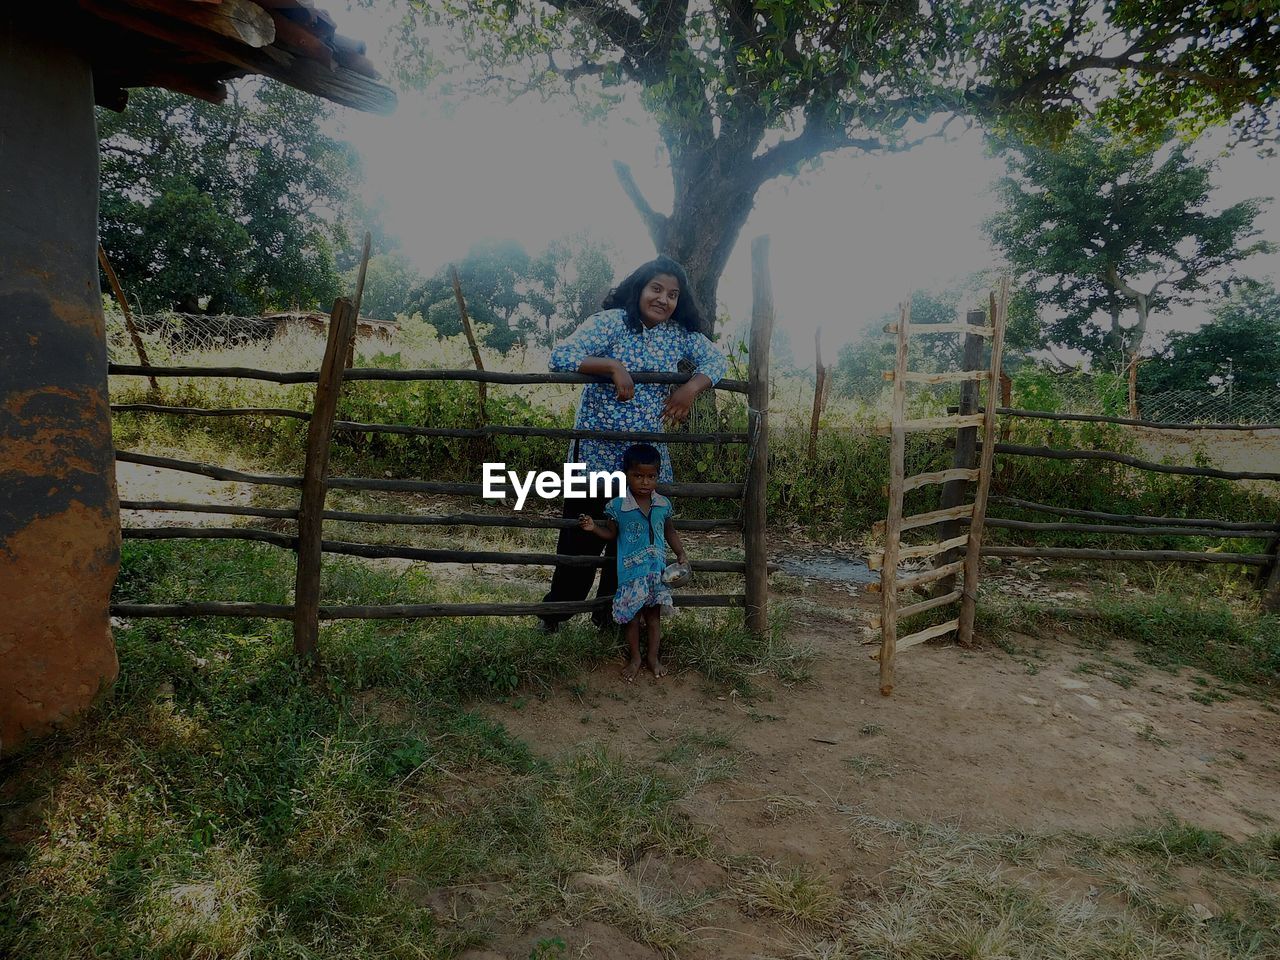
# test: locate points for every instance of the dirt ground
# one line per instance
(1034, 735)
(988, 740)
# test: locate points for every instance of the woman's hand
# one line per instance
(679, 402)
(614, 370)
(623, 383)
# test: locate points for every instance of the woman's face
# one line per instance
(658, 299)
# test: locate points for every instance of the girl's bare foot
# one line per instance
(658, 667)
(630, 670)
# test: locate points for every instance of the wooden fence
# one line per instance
(313, 485)
(962, 526)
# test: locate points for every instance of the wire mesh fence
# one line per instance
(1228, 406)
(277, 341)
(1105, 394)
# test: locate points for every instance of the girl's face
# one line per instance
(642, 480)
(658, 299)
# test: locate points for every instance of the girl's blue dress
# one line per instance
(642, 556)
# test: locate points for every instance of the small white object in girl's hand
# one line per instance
(676, 574)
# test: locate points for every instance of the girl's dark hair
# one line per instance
(626, 295)
(640, 455)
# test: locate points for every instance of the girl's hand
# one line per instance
(623, 383)
(679, 402)
(587, 522)
(682, 557)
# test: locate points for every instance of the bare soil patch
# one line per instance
(1039, 737)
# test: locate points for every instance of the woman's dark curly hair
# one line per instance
(626, 295)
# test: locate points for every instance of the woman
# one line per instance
(649, 324)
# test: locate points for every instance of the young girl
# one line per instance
(641, 523)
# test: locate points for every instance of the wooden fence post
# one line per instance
(306, 598)
(481, 387)
(893, 523)
(1270, 578)
(129, 325)
(819, 394)
(953, 492)
(753, 530)
(973, 555)
(350, 349)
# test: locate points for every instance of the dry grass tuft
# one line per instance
(795, 895)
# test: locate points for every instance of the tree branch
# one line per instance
(654, 221)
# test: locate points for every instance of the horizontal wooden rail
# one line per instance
(884, 428)
(242, 373)
(210, 411)
(381, 374)
(498, 376)
(951, 376)
(566, 433)
(378, 551)
(939, 476)
(404, 519)
(924, 578)
(398, 611)
(875, 559)
(207, 470)
(1050, 453)
(731, 491)
(1133, 531)
(1081, 553)
(1129, 422)
(929, 633)
(499, 520)
(285, 540)
(436, 555)
(221, 508)
(917, 520)
(1129, 518)
(924, 606)
(923, 329)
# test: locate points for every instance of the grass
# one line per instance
(798, 896)
(952, 894)
(223, 802)
(1230, 640)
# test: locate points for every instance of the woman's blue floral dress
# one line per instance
(650, 350)
(642, 555)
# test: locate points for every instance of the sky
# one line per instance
(848, 240)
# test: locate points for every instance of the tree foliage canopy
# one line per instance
(238, 207)
(1099, 229)
(1244, 330)
(519, 298)
(860, 363)
(747, 90)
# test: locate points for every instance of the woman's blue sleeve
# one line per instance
(594, 338)
(707, 356)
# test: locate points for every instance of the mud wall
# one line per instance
(59, 516)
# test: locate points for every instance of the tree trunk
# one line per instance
(701, 237)
(707, 217)
(59, 516)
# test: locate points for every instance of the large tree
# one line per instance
(744, 91)
(1241, 340)
(225, 208)
(1102, 233)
